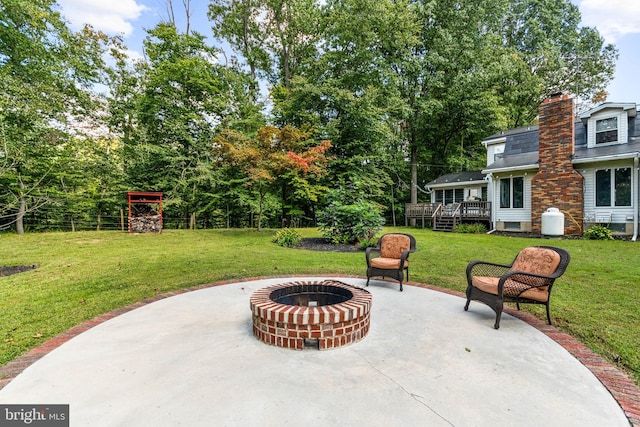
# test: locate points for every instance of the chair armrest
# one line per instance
(405, 256)
(484, 268)
(368, 254)
(528, 280)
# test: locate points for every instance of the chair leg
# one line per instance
(368, 280)
(468, 292)
(498, 311)
(496, 305)
(497, 324)
(548, 315)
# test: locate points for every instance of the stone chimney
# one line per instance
(557, 184)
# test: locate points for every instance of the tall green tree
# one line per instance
(274, 38)
(237, 22)
(185, 95)
(47, 72)
(547, 51)
(351, 93)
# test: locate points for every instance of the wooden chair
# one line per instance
(394, 250)
(528, 279)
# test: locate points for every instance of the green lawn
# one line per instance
(85, 274)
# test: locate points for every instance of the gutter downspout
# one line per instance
(637, 193)
(490, 186)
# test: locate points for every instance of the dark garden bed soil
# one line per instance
(563, 237)
(322, 244)
(15, 269)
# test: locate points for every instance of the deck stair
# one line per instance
(447, 217)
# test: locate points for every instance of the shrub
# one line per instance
(470, 228)
(367, 243)
(598, 232)
(287, 237)
(349, 223)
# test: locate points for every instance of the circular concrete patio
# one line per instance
(191, 359)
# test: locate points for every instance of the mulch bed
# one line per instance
(15, 269)
(322, 244)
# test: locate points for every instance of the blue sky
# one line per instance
(617, 20)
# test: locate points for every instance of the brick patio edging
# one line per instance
(620, 385)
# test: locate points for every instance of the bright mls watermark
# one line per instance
(34, 415)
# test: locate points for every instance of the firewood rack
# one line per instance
(147, 198)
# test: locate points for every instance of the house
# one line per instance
(586, 166)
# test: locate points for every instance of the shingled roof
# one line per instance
(458, 178)
(521, 147)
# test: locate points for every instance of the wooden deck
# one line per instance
(422, 211)
(445, 217)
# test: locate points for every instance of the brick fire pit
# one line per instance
(321, 314)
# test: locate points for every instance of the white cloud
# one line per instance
(109, 16)
(613, 18)
(134, 55)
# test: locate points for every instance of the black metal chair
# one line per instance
(394, 250)
(527, 280)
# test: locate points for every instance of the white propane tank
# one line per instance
(553, 222)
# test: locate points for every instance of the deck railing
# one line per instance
(463, 211)
(421, 211)
(475, 209)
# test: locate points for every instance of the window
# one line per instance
(449, 196)
(603, 187)
(607, 130)
(518, 192)
(613, 187)
(622, 190)
(505, 193)
(512, 192)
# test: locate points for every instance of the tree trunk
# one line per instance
(21, 210)
(249, 54)
(260, 211)
(414, 175)
(393, 207)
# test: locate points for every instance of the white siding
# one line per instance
(492, 150)
(591, 212)
(589, 191)
(513, 215)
